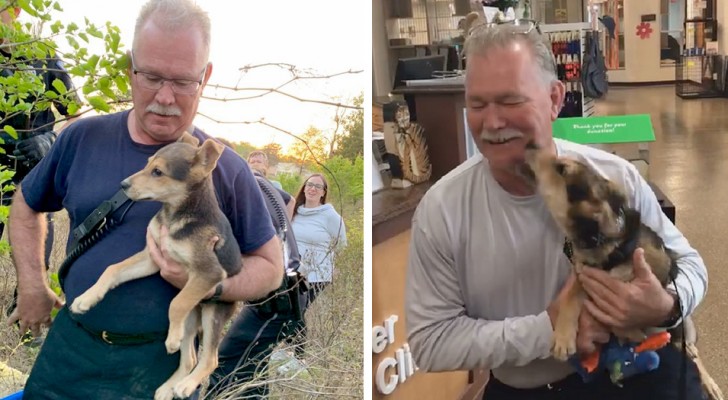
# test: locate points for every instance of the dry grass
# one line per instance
(334, 353)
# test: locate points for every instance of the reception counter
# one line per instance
(439, 109)
(393, 371)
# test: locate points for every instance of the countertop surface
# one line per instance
(391, 203)
(392, 210)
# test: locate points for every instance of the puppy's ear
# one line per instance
(208, 154)
(189, 139)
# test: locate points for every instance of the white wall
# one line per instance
(721, 12)
(642, 56)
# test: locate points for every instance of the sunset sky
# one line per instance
(325, 37)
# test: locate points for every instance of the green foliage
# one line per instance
(348, 187)
(310, 147)
(273, 151)
(24, 92)
(291, 183)
(244, 148)
(351, 144)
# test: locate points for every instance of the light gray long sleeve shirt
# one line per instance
(485, 264)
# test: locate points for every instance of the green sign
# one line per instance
(609, 129)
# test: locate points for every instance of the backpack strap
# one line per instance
(277, 209)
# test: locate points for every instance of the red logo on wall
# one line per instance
(644, 30)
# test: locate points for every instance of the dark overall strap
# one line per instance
(91, 230)
(98, 217)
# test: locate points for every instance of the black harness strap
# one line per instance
(98, 217)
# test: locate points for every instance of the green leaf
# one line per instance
(57, 6)
(92, 62)
(11, 131)
(59, 86)
(114, 41)
(108, 92)
(121, 83)
(104, 82)
(38, 4)
(98, 103)
(72, 108)
(83, 36)
(88, 89)
(93, 31)
(50, 94)
(56, 26)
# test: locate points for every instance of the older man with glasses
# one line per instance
(487, 269)
(116, 350)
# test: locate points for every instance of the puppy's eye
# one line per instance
(560, 168)
(156, 172)
(576, 193)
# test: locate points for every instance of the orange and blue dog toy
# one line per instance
(622, 360)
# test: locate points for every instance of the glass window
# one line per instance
(672, 16)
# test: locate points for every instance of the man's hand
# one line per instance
(170, 270)
(34, 309)
(30, 151)
(591, 333)
(625, 305)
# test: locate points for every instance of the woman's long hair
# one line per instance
(301, 196)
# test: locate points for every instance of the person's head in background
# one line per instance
(313, 192)
(258, 161)
(8, 13)
(7, 16)
(168, 68)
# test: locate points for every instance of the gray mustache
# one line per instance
(164, 110)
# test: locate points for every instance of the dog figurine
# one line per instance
(604, 232)
(200, 239)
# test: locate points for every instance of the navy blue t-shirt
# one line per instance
(85, 167)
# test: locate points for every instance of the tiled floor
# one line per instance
(689, 162)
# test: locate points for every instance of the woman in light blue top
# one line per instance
(319, 231)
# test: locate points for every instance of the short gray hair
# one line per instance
(483, 38)
(173, 15)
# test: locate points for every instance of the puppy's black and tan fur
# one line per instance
(604, 232)
(200, 239)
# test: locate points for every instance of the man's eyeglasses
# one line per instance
(318, 186)
(155, 82)
(526, 26)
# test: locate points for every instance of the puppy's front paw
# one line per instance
(84, 303)
(564, 345)
(164, 393)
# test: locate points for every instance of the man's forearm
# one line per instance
(261, 274)
(466, 343)
(27, 229)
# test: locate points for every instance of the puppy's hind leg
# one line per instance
(137, 266)
(188, 357)
(214, 317)
(567, 323)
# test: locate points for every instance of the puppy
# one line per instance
(200, 239)
(604, 233)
